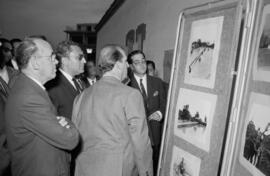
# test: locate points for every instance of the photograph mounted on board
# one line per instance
(194, 117)
(255, 147)
(203, 52)
(262, 63)
(184, 163)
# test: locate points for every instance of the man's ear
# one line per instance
(64, 60)
(131, 67)
(118, 65)
(34, 62)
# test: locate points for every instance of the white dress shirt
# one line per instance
(144, 82)
(91, 81)
(68, 76)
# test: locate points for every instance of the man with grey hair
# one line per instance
(65, 87)
(37, 138)
(110, 117)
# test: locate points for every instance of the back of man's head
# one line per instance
(25, 51)
(109, 55)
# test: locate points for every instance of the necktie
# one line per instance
(143, 90)
(77, 85)
(4, 87)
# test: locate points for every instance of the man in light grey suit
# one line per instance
(110, 117)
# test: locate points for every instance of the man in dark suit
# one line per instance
(4, 154)
(154, 96)
(37, 138)
(90, 75)
(7, 76)
(64, 88)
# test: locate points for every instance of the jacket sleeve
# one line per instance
(38, 116)
(138, 129)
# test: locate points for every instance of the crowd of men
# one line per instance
(60, 117)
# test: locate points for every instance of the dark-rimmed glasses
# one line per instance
(5, 49)
(80, 57)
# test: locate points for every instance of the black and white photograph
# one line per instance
(203, 52)
(194, 117)
(184, 163)
(255, 146)
(262, 63)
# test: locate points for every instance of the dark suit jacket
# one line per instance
(4, 91)
(156, 101)
(35, 138)
(4, 154)
(62, 94)
(85, 81)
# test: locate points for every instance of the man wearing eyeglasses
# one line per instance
(37, 138)
(154, 96)
(65, 87)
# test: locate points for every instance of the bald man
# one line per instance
(110, 117)
(37, 138)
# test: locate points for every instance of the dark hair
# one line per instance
(24, 52)
(130, 55)
(63, 49)
(91, 60)
(109, 55)
(149, 62)
(2, 48)
(15, 40)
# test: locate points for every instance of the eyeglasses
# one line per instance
(7, 49)
(143, 62)
(81, 57)
(52, 56)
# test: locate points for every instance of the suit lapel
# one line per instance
(150, 86)
(28, 81)
(134, 83)
(63, 80)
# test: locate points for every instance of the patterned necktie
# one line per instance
(78, 85)
(4, 87)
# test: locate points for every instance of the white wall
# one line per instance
(160, 17)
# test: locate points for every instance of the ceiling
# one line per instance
(20, 18)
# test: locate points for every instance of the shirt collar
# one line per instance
(68, 76)
(143, 81)
(95, 79)
(138, 78)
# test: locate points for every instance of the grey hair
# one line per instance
(109, 55)
(25, 51)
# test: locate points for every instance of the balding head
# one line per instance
(28, 48)
(113, 58)
(35, 58)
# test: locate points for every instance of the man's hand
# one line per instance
(62, 121)
(155, 116)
